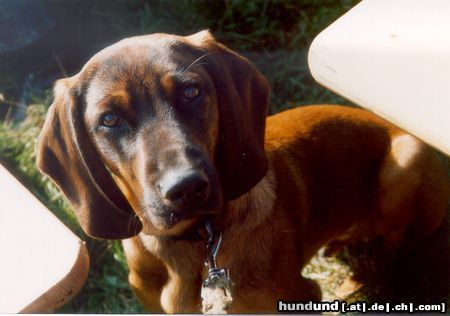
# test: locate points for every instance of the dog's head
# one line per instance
(156, 132)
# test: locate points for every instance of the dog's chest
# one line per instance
(184, 263)
(181, 257)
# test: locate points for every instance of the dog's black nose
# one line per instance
(180, 188)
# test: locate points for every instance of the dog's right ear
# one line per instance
(67, 155)
(243, 98)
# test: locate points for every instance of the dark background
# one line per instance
(41, 41)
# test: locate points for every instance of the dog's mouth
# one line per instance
(174, 217)
(165, 221)
(179, 200)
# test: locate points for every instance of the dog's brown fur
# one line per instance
(318, 174)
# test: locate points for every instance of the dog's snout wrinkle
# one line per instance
(184, 187)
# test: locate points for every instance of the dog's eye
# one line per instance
(111, 120)
(191, 92)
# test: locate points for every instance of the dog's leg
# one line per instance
(181, 294)
(265, 299)
(413, 189)
(147, 274)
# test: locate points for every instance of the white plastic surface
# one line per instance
(392, 57)
(37, 250)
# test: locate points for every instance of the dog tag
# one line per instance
(216, 292)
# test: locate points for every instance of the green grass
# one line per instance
(274, 35)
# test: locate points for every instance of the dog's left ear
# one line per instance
(68, 157)
(243, 95)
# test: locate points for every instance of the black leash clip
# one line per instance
(212, 248)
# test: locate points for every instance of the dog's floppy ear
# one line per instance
(66, 154)
(243, 94)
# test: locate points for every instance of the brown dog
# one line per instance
(158, 132)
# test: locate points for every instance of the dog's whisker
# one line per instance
(195, 63)
(131, 227)
(198, 64)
